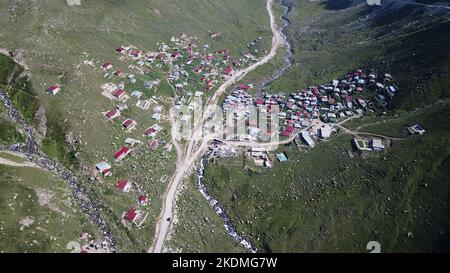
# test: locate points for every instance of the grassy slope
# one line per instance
(323, 44)
(19, 199)
(330, 41)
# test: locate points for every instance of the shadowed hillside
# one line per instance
(409, 41)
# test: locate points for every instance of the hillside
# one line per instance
(333, 37)
(331, 198)
(34, 205)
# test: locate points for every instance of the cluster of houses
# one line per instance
(203, 67)
(329, 103)
(312, 113)
(134, 215)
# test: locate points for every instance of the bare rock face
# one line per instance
(42, 121)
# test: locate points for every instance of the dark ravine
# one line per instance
(213, 202)
(83, 199)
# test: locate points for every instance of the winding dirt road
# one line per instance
(187, 157)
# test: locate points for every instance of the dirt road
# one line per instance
(188, 156)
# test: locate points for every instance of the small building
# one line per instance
(136, 94)
(156, 116)
(119, 93)
(53, 90)
(325, 132)
(282, 157)
(245, 87)
(122, 153)
(259, 102)
(132, 141)
(143, 200)
(229, 70)
(416, 130)
(377, 144)
(361, 144)
(118, 73)
(104, 168)
(122, 107)
(107, 66)
(157, 109)
(150, 132)
(131, 215)
(109, 87)
(129, 124)
(124, 185)
(135, 53)
(306, 137)
(112, 114)
(143, 104)
(331, 117)
(198, 94)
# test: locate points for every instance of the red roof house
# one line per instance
(129, 124)
(53, 90)
(259, 102)
(209, 84)
(122, 153)
(106, 172)
(150, 132)
(228, 70)
(131, 215)
(118, 73)
(290, 129)
(143, 199)
(135, 53)
(106, 66)
(244, 87)
(124, 185)
(176, 55)
(198, 70)
(119, 93)
(112, 114)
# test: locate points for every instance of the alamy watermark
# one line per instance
(73, 2)
(243, 123)
(374, 247)
(374, 2)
